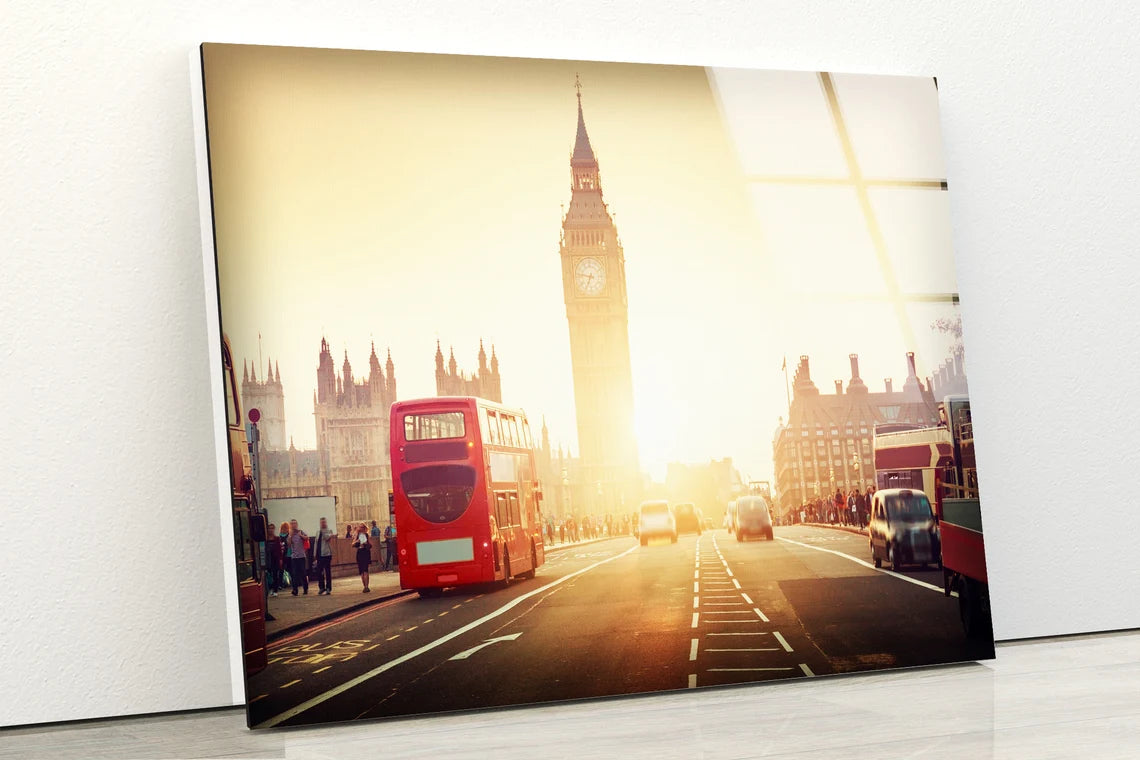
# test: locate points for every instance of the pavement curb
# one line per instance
(560, 547)
(846, 529)
(333, 615)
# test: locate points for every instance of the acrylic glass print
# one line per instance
(550, 380)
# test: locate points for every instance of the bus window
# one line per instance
(508, 430)
(502, 510)
(526, 435)
(496, 436)
(231, 405)
(439, 493)
(419, 427)
(516, 439)
(516, 518)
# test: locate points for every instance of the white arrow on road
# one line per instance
(467, 653)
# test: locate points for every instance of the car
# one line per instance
(903, 530)
(709, 524)
(688, 518)
(752, 517)
(728, 516)
(655, 519)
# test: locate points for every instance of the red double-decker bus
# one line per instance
(465, 493)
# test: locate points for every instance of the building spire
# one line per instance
(582, 149)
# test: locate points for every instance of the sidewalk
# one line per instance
(847, 528)
(293, 613)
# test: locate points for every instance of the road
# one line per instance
(614, 618)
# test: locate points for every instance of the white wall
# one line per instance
(105, 397)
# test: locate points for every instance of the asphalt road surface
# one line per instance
(614, 618)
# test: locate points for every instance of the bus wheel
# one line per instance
(533, 564)
(506, 569)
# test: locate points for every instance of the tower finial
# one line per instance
(578, 85)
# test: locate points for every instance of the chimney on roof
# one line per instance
(838, 387)
(890, 385)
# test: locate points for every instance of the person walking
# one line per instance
(363, 555)
(374, 531)
(298, 574)
(323, 556)
(390, 562)
(853, 508)
(274, 559)
(348, 532)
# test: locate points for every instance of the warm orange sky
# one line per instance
(405, 198)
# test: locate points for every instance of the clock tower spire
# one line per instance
(593, 283)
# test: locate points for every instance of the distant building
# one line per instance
(484, 383)
(826, 443)
(709, 486)
(351, 461)
(268, 398)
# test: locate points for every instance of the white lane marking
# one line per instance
(782, 640)
(736, 583)
(287, 685)
(749, 620)
(743, 670)
(692, 680)
(696, 587)
(871, 566)
(745, 649)
(692, 650)
(468, 652)
(325, 696)
(696, 602)
(727, 570)
(724, 604)
(321, 670)
(747, 598)
(761, 614)
(696, 573)
(806, 669)
(720, 596)
(723, 612)
(696, 618)
(263, 696)
(740, 633)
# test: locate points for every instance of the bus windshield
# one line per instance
(909, 506)
(439, 493)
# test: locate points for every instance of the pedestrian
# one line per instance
(561, 531)
(374, 531)
(390, 562)
(297, 556)
(363, 555)
(323, 556)
(853, 506)
(275, 559)
(348, 532)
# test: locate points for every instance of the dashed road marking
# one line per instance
(739, 633)
(736, 583)
(692, 650)
(745, 649)
(724, 604)
(287, 685)
(692, 680)
(747, 598)
(806, 669)
(723, 612)
(263, 696)
(394, 637)
(782, 640)
(696, 587)
(749, 620)
(871, 566)
(321, 670)
(761, 614)
(369, 649)
(696, 618)
(743, 670)
(409, 630)
(696, 602)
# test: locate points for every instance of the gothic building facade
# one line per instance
(485, 382)
(594, 287)
(268, 398)
(351, 460)
(826, 444)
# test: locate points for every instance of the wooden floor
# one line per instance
(1073, 698)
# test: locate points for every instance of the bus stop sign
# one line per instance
(254, 416)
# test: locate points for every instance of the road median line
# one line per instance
(870, 566)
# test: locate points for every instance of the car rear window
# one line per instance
(654, 509)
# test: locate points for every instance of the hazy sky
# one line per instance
(404, 198)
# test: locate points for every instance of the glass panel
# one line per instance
(439, 493)
(516, 518)
(419, 427)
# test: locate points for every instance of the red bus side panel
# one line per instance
(963, 551)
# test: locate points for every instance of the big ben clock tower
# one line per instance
(593, 282)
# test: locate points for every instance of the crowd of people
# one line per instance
(851, 509)
(585, 528)
(292, 556)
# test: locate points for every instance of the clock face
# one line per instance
(589, 276)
